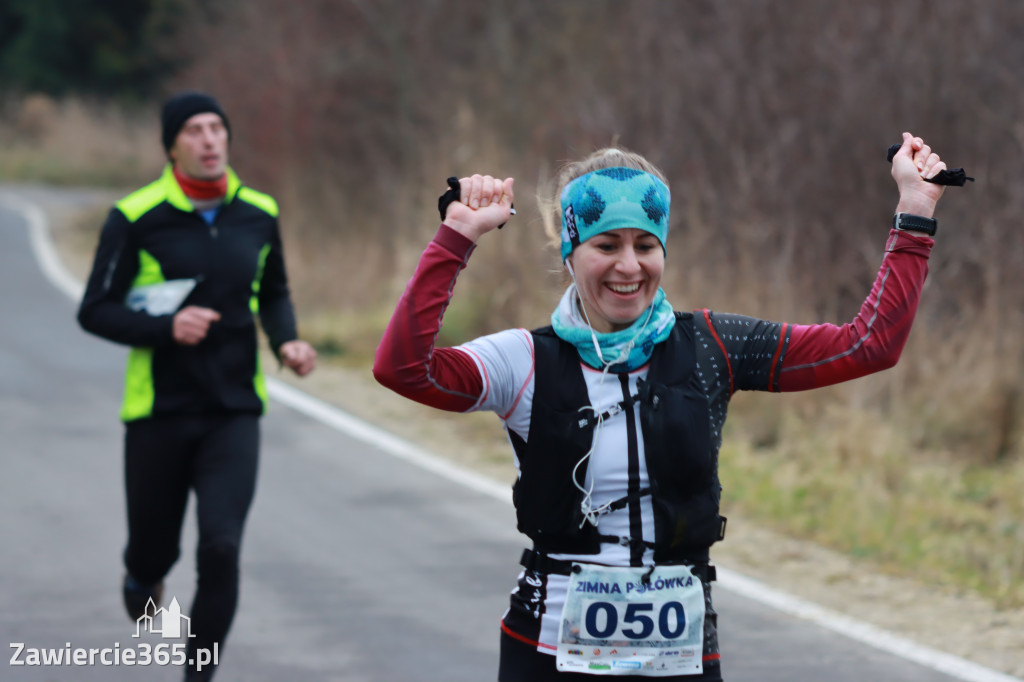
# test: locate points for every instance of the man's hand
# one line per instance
(298, 356)
(486, 203)
(192, 324)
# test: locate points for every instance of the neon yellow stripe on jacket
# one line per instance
(139, 391)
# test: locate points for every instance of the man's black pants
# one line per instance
(217, 457)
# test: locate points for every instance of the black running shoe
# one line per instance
(141, 600)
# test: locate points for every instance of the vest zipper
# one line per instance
(636, 525)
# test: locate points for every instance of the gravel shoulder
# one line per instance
(931, 615)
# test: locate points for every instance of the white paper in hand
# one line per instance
(160, 299)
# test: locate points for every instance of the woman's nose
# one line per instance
(628, 261)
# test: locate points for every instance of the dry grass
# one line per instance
(75, 142)
(854, 480)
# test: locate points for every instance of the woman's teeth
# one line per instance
(624, 288)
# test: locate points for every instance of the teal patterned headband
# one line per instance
(612, 199)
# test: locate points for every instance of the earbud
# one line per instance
(571, 273)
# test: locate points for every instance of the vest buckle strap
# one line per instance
(624, 501)
(617, 408)
(626, 541)
(532, 560)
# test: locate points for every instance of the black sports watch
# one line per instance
(915, 223)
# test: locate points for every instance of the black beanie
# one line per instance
(183, 106)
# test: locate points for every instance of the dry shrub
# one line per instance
(770, 120)
(80, 141)
(37, 116)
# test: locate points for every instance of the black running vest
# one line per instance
(681, 462)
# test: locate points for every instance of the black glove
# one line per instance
(954, 177)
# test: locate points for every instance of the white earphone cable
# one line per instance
(591, 513)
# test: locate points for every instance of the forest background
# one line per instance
(771, 120)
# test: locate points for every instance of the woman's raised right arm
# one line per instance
(406, 360)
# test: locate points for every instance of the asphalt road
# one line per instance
(358, 566)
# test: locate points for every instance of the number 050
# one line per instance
(602, 620)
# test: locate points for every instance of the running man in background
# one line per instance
(184, 267)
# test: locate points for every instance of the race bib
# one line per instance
(632, 621)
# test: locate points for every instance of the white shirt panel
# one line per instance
(506, 363)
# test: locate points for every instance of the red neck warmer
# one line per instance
(202, 189)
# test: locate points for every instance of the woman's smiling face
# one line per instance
(617, 274)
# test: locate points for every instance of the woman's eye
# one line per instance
(606, 247)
